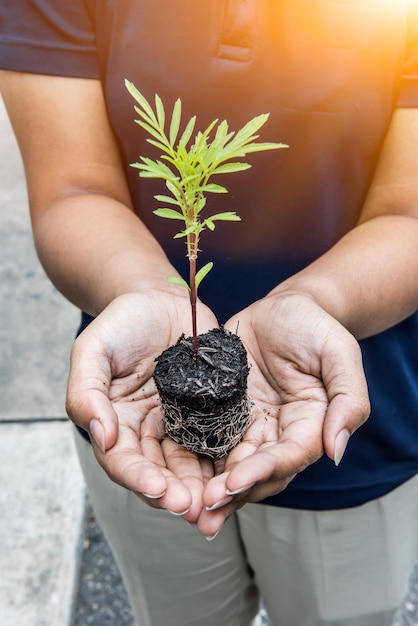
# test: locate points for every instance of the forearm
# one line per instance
(94, 249)
(90, 242)
(369, 280)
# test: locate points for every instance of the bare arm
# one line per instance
(102, 258)
(92, 245)
(369, 280)
(304, 362)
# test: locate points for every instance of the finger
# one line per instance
(126, 465)
(213, 517)
(345, 414)
(177, 499)
(210, 523)
(265, 472)
(222, 499)
(87, 401)
(192, 471)
(244, 475)
(91, 410)
(349, 405)
(154, 484)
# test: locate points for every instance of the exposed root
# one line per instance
(212, 435)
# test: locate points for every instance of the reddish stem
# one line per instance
(193, 300)
(192, 253)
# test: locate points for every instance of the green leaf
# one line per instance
(184, 182)
(187, 171)
(155, 133)
(212, 188)
(169, 199)
(154, 169)
(239, 145)
(208, 222)
(251, 128)
(228, 216)
(175, 121)
(200, 146)
(226, 168)
(137, 95)
(159, 107)
(202, 273)
(177, 280)
(193, 228)
(169, 213)
(221, 138)
(187, 133)
(183, 156)
(175, 191)
(162, 147)
(151, 122)
(200, 203)
(258, 147)
(222, 135)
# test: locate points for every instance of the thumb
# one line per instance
(348, 409)
(87, 400)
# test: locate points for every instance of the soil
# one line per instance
(204, 400)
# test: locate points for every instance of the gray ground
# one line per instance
(408, 612)
(102, 599)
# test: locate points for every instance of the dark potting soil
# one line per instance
(205, 400)
(219, 372)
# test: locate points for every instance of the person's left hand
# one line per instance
(308, 394)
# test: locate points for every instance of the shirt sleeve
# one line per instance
(47, 37)
(408, 93)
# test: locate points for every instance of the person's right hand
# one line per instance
(112, 396)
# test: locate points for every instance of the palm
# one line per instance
(306, 383)
(111, 380)
(289, 401)
(290, 411)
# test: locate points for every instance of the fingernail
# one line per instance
(180, 514)
(212, 537)
(237, 491)
(97, 432)
(340, 445)
(147, 495)
(218, 504)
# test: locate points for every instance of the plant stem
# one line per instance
(193, 299)
(192, 248)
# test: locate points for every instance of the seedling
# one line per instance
(187, 172)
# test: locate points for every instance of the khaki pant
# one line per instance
(330, 568)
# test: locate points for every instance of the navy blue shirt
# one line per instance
(330, 74)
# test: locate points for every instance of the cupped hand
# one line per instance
(308, 394)
(112, 396)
